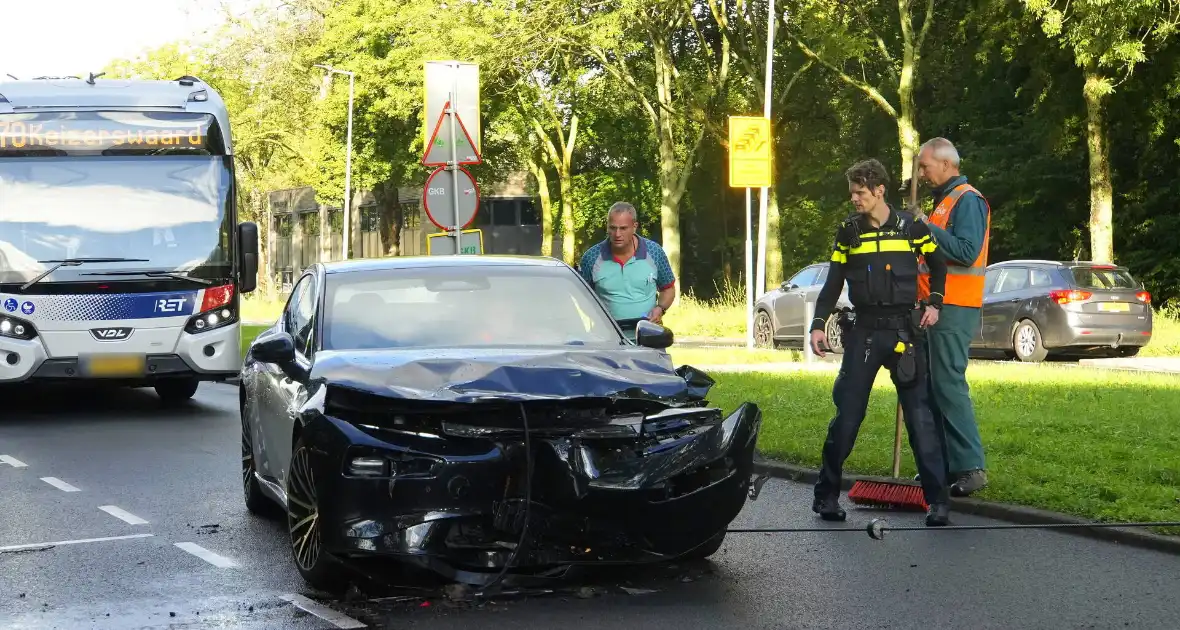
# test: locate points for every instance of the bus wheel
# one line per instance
(173, 391)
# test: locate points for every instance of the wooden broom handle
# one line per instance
(897, 443)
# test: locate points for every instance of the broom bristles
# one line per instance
(889, 495)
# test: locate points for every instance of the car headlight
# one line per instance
(14, 328)
(217, 310)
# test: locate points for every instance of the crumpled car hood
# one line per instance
(512, 374)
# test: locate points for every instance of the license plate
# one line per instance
(1114, 307)
(114, 366)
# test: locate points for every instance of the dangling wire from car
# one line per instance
(528, 502)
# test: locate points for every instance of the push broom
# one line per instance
(897, 494)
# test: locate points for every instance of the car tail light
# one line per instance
(1144, 297)
(1063, 296)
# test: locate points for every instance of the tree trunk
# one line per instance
(390, 219)
(538, 172)
(774, 244)
(671, 182)
(1101, 190)
(907, 133)
(568, 238)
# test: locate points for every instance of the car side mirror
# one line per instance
(247, 257)
(652, 335)
(278, 348)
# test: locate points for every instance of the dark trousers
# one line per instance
(866, 351)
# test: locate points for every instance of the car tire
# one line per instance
(256, 502)
(316, 566)
(763, 330)
(834, 333)
(174, 391)
(1027, 343)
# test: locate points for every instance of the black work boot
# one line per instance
(829, 509)
(938, 515)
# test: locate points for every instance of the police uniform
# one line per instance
(881, 267)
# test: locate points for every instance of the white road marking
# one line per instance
(11, 461)
(206, 555)
(73, 542)
(334, 617)
(59, 484)
(123, 515)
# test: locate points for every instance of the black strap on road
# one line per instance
(877, 527)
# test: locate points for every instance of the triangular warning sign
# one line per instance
(438, 151)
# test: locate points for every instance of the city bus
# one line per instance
(122, 260)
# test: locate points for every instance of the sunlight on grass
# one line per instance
(723, 317)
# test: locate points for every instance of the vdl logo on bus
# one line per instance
(170, 305)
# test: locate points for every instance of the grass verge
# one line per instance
(1094, 444)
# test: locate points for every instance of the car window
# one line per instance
(1012, 279)
(440, 307)
(300, 314)
(822, 277)
(804, 278)
(989, 281)
(1040, 278)
(1102, 278)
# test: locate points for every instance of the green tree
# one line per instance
(1108, 39)
(859, 44)
(672, 57)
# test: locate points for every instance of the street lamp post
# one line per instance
(347, 156)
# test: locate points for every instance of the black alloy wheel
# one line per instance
(316, 566)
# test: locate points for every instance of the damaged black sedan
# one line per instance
(479, 416)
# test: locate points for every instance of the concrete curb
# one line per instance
(999, 511)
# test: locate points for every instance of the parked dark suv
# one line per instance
(1034, 308)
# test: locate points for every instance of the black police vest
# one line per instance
(881, 267)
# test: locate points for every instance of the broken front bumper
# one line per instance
(649, 488)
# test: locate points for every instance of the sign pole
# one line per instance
(763, 198)
(455, 158)
(749, 273)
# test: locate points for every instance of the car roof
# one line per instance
(421, 262)
(1056, 263)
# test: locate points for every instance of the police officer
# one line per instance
(877, 250)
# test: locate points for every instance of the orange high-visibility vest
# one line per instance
(964, 284)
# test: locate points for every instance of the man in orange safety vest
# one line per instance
(961, 226)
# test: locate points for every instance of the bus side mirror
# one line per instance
(247, 257)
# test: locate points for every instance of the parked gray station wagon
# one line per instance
(1035, 308)
(1031, 309)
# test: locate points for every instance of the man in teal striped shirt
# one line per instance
(631, 274)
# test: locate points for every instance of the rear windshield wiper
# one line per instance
(74, 262)
(152, 274)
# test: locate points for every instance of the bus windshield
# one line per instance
(172, 211)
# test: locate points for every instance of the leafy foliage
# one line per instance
(650, 85)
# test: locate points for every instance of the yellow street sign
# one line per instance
(749, 152)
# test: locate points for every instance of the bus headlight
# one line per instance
(14, 328)
(217, 310)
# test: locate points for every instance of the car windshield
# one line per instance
(168, 209)
(477, 305)
(1102, 278)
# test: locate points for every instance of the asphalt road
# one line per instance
(200, 561)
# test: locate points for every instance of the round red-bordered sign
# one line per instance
(443, 189)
